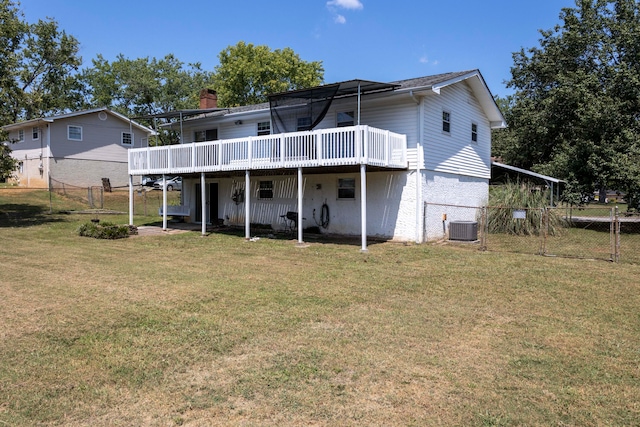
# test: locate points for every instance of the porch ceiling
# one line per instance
(327, 170)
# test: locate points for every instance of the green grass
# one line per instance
(185, 330)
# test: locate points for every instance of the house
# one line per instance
(78, 148)
(352, 158)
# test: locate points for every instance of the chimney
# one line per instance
(208, 99)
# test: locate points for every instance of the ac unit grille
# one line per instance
(463, 230)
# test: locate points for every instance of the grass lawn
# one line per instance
(188, 330)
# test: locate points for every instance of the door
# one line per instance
(212, 203)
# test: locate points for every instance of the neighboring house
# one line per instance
(78, 148)
(355, 158)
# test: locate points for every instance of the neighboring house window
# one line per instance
(35, 133)
(127, 138)
(21, 135)
(304, 123)
(346, 188)
(345, 118)
(446, 122)
(74, 133)
(266, 190)
(264, 128)
(205, 135)
(474, 132)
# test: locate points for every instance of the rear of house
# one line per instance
(365, 167)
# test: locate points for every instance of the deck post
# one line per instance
(247, 208)
(300, 184)
(130, 199)
(203, 198)
(164, 202)
(363, 205)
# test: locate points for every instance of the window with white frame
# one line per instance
(205, 135)
(446, 122)
(127, 138)
(304, 123)
(21, 135)
(265, 190)
(35, 133)
(345, 118)
(264, 128)
(20, 167)
(346, 188)
(474, 132)
(74, 133)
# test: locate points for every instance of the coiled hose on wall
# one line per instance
(324, 216)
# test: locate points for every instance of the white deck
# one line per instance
(354, 145)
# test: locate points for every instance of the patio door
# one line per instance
(212, 202)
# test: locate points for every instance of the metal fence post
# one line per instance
(616, 226)
(484, 228)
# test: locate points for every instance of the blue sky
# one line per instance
(364, 39)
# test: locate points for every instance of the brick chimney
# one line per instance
(208, 99)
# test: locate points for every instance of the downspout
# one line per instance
(419, 153)
(49, 154)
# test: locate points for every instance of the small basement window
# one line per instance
(346, 188)
(266, 190)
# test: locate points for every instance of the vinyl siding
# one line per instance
(455, 152)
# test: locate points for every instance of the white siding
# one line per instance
(455, 152)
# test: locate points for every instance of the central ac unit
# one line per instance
(463, 230)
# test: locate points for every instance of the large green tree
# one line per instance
(575, 113)
(247, 73)
(38, 65)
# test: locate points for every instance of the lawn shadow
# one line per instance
(25, 215)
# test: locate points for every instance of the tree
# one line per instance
(247, 73)
(576, 109)
(144, 86)
(38, 63)
(7, 163)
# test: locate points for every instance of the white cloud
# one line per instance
(346, 4)
(339, 19)
(424, 60)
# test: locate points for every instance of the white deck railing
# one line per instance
(352, 145)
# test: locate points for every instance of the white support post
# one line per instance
(300, 192)
(247, 208)
(203, 198)
(130, 199)
(164, 202)
(363, 206)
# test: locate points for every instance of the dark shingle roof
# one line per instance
(428, 81)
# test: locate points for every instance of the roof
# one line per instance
(526, 172)
(51, 119)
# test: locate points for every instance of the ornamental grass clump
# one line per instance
(521, 209)
(106, 230)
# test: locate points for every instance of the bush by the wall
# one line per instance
(106, 230)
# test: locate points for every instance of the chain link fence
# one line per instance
(598, 232)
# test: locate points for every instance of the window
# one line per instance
(446, 121)
(205, 135)
(346, 188)
(304, 123)
(127, 138)
(474, 132)
(20, 167)
(21, 135)
(266, 190)
(35, 133)
(74, 133)
(345, 118)
(264, 128)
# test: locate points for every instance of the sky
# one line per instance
(376, 40)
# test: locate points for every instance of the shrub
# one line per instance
(106, 230)
(505, 198)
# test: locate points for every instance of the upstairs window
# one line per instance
(474, 132)
(264, 128)
(345, 118)
(266, 190)
(304, 123)
(346, 188)
(205, 135)
(21, 135)
(74, 133)
(127, 138)
(446, 122)
(35, 133)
